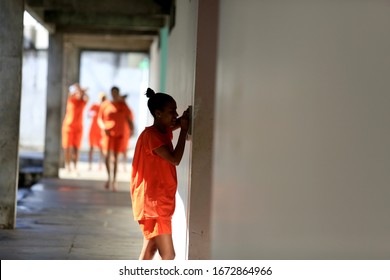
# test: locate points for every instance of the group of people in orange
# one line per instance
(110, 130)
(153, 178)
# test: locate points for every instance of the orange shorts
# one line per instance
(153, 227)
(95, 139)
(71, 138)
(124, 145)
(112, 143)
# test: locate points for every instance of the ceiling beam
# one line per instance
(123, 17)
(129, 7)
(104, 21)
(73, 29)
(110, 43)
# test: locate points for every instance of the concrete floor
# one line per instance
(74, 218)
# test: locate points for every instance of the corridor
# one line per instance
(74, 218)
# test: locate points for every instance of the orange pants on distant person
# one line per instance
(71, 138)
(154, 227)
(95, 138)
(112, 143)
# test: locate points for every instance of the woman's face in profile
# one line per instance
(115, 95)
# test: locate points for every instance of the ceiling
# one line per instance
(136, 18)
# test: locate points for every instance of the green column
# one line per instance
(163, 57)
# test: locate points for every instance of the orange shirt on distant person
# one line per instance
(126, 135)
(73, 119)
(114, 116)
(125, 139)
(153, 179)
(95, 133)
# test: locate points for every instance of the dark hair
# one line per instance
(157, 101)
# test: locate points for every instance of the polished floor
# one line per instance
(74, 218)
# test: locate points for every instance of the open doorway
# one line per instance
(99, 71)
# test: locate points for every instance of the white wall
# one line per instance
(302, 156)
(180, 84)
(154, 78)
(33, 105)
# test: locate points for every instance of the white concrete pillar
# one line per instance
(55, 91)
(11, 49)
(201, 159)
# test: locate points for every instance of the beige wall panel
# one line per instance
(302, 131)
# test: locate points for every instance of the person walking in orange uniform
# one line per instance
(112, 118)
(95, 133)
(153, 179)
(72, 125)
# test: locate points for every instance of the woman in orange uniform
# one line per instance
(112, 118)
(95, 133)
(153, 179)
(72, 125)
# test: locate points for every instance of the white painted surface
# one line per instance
(302, 156)
(33, 105)
(180, 84)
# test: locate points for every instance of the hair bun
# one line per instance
(150, 92)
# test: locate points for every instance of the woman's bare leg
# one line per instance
(90, 156)
(101, 158)
(164, 245)
(75, 157)
(108, 167)
(67, 159)
(114, 183)
(149, 249)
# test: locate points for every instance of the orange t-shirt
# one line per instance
(95, 133)
(153, 179)
(114, 116)
(74, 114)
